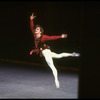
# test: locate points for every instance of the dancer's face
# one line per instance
(37, 32)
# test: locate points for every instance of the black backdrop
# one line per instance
(89, 77)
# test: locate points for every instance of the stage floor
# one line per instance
(23, 82)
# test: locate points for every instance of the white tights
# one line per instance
(48, 55)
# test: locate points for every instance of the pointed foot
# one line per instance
(75, 54)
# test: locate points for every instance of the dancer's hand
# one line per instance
(63, 35)
(32, 16)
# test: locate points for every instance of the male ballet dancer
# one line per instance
(44, 50)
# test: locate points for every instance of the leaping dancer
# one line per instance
(44, 50)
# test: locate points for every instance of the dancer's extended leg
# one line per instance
(47, 55)
(55, 55)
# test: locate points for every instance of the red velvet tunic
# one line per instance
(40, 42)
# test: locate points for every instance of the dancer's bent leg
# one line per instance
(47, 55)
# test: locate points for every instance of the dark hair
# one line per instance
(41, 29)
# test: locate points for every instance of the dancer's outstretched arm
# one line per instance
(47, 38)
(32, 28)
(32, 23)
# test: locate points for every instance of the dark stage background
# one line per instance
(16, 39)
